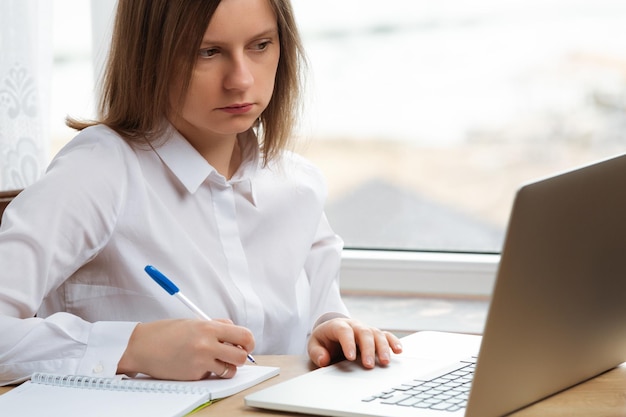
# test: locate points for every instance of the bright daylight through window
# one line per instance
(425, 116)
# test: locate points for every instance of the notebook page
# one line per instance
(31, 399)
(66, 401)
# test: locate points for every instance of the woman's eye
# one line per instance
(261, 46)
(208, 52)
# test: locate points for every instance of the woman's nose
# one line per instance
(239, 75)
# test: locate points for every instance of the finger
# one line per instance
(318, 353)
(231, 354)
(229, 336)
(345, 335)
(394, 343)
(383, 351)
(366, 340)
(330, 341)
(228, 370)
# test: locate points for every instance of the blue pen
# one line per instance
(172, 289)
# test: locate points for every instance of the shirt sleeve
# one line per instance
(48, 231)
(322, 267)
(72, 346)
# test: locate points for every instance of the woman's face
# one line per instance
(233, 78)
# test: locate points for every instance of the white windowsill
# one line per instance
(424, 273)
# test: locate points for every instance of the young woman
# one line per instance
(186, 169)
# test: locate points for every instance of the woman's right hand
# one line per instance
(186, 349)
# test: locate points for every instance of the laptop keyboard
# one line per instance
(448, 390)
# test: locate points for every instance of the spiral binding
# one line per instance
(114, 384)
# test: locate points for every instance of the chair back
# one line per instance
(5, 198)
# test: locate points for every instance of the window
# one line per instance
(426, 116)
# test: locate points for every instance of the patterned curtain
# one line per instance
(25, 81)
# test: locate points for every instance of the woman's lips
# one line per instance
(237, 108)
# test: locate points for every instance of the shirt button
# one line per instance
(98, 369)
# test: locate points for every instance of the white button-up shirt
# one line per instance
(256, 248)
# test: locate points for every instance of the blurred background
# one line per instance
(425, 116)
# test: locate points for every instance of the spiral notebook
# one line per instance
(71, 395)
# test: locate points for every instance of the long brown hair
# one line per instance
(155, 42)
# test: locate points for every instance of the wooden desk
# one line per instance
(604, 395)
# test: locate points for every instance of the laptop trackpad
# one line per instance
(400, 369)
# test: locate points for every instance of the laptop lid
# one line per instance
(557, 315)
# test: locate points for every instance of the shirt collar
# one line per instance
(192, 169)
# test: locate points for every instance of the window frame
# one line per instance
(434, 274)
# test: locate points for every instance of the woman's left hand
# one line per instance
(343, 338)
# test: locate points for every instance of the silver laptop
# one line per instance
(557, 317)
